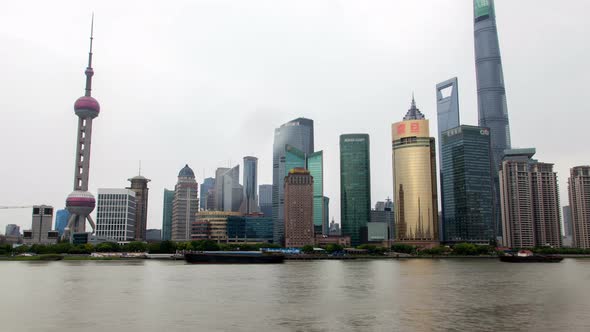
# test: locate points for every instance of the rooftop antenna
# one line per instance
(140, 167)
(89, 71)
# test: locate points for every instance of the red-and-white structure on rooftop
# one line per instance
(80, 203)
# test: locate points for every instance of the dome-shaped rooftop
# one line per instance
(139, 178)
(186, 172)
(87, 104)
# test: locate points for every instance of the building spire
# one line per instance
(413, 113)
(89, 71)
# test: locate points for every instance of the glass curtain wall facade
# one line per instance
(208, 184)
(355, 186)
(314, 163)
(315, 166)
(249, 229)
(61, 221)
(250, 194)
(466, 181)
(491, 93)
(299, 134)
(265, 199)
(167, 215)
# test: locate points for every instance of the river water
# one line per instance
(361, 295)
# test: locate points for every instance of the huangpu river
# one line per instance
(358, 295)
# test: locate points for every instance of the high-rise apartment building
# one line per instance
(466, 185)
(529, 201)
(546, 206)
(265, 196)
(414, 180)
(115, 216)
(139, 185)
(299, 228)
(208, 184)
(579, 195)
(299, 134)
(250, 194)
(355, 186)
(185, 205)
(167, 215)
(61, 221)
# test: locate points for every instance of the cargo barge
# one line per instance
(526, 256)
(234, 257)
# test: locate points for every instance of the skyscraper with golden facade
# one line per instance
(414, 180)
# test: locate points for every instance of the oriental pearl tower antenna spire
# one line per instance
(80, 203)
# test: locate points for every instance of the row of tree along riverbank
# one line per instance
(169, 247)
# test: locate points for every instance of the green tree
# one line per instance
(403, 248)
(467, 249)
(107, 247)
(308, 249)
(167, 247)
(40, 249)
(21, 249)
(333, 247)
(60, 248)
(81, 249)
(5, 249)
(184, 246)
(135, 246)
(205, 245)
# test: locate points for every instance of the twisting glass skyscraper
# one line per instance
(355, 186)
(491, 94)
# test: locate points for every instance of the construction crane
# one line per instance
(15, 207)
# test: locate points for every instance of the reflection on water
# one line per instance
(363, 295)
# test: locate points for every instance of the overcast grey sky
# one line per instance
(206, 82)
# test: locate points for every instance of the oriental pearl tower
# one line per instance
(80, 203)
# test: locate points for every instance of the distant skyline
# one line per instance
(205, 83)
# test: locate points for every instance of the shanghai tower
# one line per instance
(491, 95)
(80, 203)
